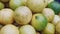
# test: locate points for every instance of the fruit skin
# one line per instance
(55, 6)
(27, 29)
(6, 16)
(56, 19)
(36, 5)
(49, 1)
(13, 4)
(50, 29)
(49, 14)
(58, 27)
(9, 29)
(1, 5)
(23, 15)
(39, 21)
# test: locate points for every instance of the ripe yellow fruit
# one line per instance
(36, 5)
(49, 14)
(58, 27)
(27, 29)
(9, 29)
(6, 16)
(56, 19)
(23, 15)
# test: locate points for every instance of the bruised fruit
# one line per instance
(50, 29)
(27, 29)
(39, 21)
(9, 29)
(36, 5)
(1, 5)
(6, 16)
(49, 14)
(23, 15)
(13, 4)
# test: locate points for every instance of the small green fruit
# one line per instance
(39, 21)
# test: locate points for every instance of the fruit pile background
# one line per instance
(29, 16)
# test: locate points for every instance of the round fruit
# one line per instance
(6, 16)
(16, 3)
(50, 29)
(36, 5)
(56, 19)
(9, 29)
(49, 14)
(39, 21)
(58, 27)
(55, 6)
(27, 29)
(1, 5)
(23, 15)
(4, 0)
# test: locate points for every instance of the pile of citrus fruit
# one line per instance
(29, 16)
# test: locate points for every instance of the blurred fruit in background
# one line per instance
(56, 19)
(13, 4)
(1, 5)
(58, 27)
(49, 1)
(55, 6)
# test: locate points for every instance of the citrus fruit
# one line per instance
(49, 14)
(39, 21)
(55, 6)
(9, 29)
(36, 5)
(50, 29)
(56, 19)
(27, 29)
(6, 16)
(23, 15)
(13, 4)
